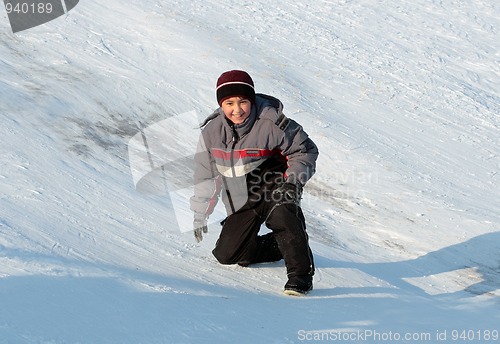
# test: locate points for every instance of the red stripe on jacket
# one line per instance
(244, 153)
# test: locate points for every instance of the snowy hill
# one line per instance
(402, 99)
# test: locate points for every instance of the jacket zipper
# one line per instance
(235, 141)
(233, 170)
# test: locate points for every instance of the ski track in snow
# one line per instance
(403, 214)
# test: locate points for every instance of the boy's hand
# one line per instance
(199, 227)
(287, 193)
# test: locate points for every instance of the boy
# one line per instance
(261, 160)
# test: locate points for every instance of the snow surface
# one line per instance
(402, 98)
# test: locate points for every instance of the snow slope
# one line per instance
(401, 97)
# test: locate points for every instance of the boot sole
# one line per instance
(291, 292)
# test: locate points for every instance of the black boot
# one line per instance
(267, 251)
(298, 285)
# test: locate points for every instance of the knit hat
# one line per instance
(235, 83)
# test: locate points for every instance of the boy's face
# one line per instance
(236, 109)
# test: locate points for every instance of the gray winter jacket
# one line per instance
(229, 155)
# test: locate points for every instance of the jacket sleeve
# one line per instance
(207, 182)
(301, 153)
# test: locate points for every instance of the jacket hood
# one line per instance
(265, 104)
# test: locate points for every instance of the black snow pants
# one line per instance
(239, 242)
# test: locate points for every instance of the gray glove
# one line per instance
(199, 227)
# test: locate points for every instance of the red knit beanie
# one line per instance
(235, 83)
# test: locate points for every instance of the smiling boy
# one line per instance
(261, 160)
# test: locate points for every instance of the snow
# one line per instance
(403, 213)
